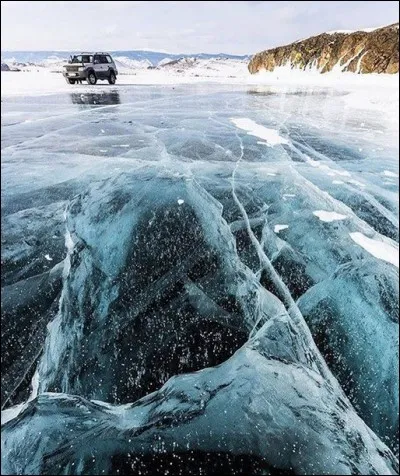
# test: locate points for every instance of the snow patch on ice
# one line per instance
(379, 249)
(48, 257)
(328, 217)
(271, 136)
(278, 228)
(180, 201)
(388, 173)
(332, 172)
(356, 182)
(338, 182)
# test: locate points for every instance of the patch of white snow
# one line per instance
(328, 217)
(278, 228)
(271, 136)
(380, 249)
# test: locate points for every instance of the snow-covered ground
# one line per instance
(188, 70)
(363, 91)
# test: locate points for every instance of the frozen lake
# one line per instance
(60, 137)
(157, 228)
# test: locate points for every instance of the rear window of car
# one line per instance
(103, 59)
(109, 59)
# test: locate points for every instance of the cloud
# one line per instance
(242, 27)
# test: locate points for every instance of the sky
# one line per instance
(237, 27)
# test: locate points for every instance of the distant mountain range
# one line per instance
(374, 50)
(151, 57)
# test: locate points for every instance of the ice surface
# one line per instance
(266, 407)
(193, 293)
(360, 339)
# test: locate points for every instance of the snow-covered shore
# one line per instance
(366, 91)
(34, 78)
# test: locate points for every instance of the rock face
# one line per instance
(5, 67)
(375, 51)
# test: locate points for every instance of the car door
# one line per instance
(98, 66)
(104, 66)
(111, 64)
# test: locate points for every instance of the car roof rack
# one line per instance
(91, 53)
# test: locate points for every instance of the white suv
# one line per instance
(90, 67)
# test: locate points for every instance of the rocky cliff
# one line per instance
(374, 51)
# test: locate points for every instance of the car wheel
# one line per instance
(71, 81)
(91, 79)
(112, 78)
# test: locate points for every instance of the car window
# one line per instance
(109, 59)
(87, 58)
(103, 59)
(96, 58)
(77, 59)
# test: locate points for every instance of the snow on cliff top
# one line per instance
(367, 30)
(348, 32)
